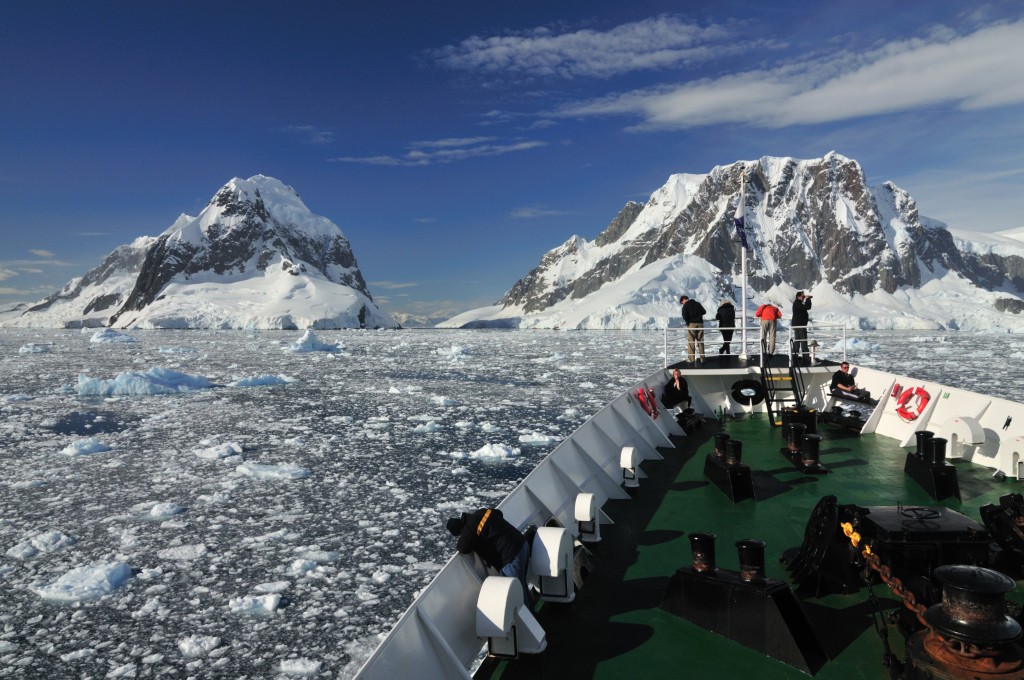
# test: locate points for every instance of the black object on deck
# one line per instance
(758, 612)
(928, 467)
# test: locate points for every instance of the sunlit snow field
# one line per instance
(232, 504)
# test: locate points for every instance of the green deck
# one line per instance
(615, 628)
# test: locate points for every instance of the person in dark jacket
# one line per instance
(499, 544)
(676, 391)
(801, 305)
(726, 316)
(843, 385)
(693, 317)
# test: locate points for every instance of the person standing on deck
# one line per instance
(769, 315)
(801, 305)
(726, 316)
(693, 317)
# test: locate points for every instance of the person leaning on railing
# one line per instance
(769, 315)
(726, 317)
(693, 317)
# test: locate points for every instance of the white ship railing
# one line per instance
(818, 334)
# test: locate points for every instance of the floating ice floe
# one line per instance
(428, 428)
(255, 605)
(157, 380)
(299, 667)
(856, 344)
(45, 542)
(262, 381)
(489, 427)
(110, 335)
(11, 398)
(34, 348)
(175, 350)
(162, 511)
(537, 439)
(489, 452)
(301, 567)
(309, 343)
(183, 553)
(90, 582)
(271, 586)
(195, 646)
(279, 471)
(455, 351)
(220, 451)
(320, 556)
(27, 484)
(84, 447)
(445, 401)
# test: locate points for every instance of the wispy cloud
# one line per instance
(655, 43)
(311, 134)
(535, 211)
(7, 273)
(967, 71)
(93, 233)
(41, 253)
(392, 285)
(445, 151)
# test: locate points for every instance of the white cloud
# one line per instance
(974, 71)
(655, 43)
(310, 134)
(452, 142)
(41, 253)
(533, 211)
(7, 273)
(391, 285)
(444, 151)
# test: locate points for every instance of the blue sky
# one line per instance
(456, 142)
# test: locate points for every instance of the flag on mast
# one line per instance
(738, 217)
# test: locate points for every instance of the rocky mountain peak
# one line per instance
(808, 222)
(255, 229)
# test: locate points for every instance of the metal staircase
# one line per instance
(784, 388)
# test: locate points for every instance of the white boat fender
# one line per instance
(503, 620)
(588, 524)
(551, 561)
(961, 430)
(629, 460)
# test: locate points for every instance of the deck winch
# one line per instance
(969, 634)
(911, 540)
(1006, 523)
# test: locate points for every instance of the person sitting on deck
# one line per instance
(499, 544)
(843, 385)
(676, 391)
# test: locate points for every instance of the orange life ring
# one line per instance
(653, 402)
(908, 414)
(641, 396)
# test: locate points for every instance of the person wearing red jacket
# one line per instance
(769, 315)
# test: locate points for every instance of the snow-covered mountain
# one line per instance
(866, 254)
(255, 257)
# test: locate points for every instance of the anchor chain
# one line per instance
(895, 584)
